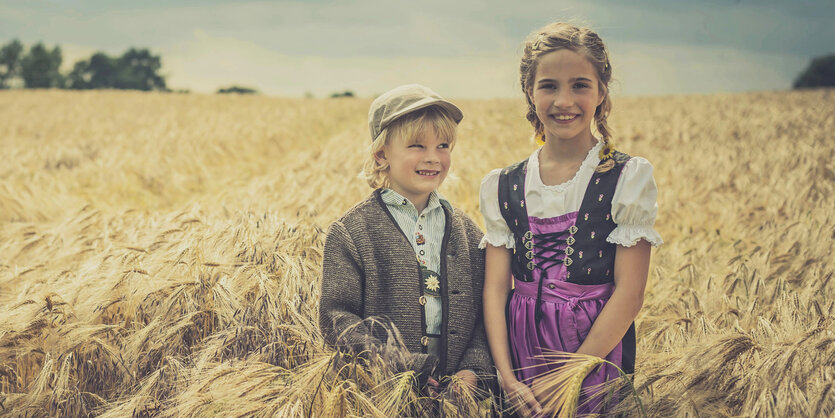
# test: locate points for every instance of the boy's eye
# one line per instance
(415, 146)
(444, 145)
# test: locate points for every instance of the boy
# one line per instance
(370, 268)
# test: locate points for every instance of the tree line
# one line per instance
(40, 67)
(139, 69)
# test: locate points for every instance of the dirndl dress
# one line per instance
(563, 275)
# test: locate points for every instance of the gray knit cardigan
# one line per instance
(370, 270)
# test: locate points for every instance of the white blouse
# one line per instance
(634, 204)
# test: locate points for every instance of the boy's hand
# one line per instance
(468, 377)
(433, 387)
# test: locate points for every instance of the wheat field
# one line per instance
(160, 254)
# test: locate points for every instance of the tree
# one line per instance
(99, 72)
(820, 73)
(136, 69)
(346, 93)
(238, 90)
(10, 55)
(39, 68)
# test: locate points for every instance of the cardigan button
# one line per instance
(567, 261)
(529, 255)
(424, 341)
(569, 250)
(422, 300)
(531, 265)
(570, 241)
(528, 235)
(551, 285)
(529, 245)
(572, 229)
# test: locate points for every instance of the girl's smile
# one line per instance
(564, 118)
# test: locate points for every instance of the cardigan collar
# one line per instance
(436, 200)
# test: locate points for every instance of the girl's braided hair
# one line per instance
(584, 41)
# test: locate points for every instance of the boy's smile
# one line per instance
(419, 167)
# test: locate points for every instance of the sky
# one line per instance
(461, 49)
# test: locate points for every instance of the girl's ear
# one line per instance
(380, 156)
(601, 95)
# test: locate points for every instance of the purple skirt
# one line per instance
(569, 310)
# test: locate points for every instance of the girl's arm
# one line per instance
(497, 282)
(631, 270)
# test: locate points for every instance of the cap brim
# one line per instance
(453, 110)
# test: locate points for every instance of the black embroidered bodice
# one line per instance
(587, 236)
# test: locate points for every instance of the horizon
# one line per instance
(464, 50)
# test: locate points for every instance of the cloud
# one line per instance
(467, 48)
(205, 62)
(655, 69)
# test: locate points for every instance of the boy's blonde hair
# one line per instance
(409, 127)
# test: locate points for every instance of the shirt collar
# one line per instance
(436, 200)
(592, 157)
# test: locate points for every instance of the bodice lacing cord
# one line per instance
(546, 242)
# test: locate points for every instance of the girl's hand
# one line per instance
(522, 399)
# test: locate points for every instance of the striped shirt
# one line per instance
(425, 232)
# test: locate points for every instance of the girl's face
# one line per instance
(565, 94)
(418, 167)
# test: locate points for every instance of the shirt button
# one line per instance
(421, 252)
(404, 201)
(424, 341)
(551, 286)
(420, 227)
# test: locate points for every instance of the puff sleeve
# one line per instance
(634, 205)
(498, 234)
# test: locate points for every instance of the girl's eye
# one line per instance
(547, 86)
(581, 86)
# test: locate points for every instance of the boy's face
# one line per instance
(418, 167)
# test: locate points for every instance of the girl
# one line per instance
(572, 224)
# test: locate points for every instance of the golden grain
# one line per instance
(159, 253)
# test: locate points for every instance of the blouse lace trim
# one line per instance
(591, 161)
